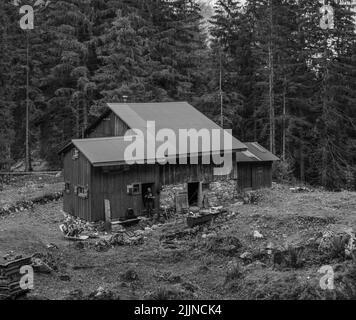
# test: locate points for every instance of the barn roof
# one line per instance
(172, 115)
(255, 153)
(167, 115)
(111, 151)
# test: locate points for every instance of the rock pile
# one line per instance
(338, 242)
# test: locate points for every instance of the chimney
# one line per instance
(125, 98)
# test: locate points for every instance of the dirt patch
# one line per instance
(176, 262)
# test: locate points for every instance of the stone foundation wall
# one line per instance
(217, 193)
(167, 195)
(221, 192)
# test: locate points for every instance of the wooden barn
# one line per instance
(97, 173)
(254, 167)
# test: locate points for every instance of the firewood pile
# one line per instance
(10, 278)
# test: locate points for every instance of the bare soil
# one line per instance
(202, 264)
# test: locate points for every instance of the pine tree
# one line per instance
(336, 97)
(68, 25)
(125, 61)
(177, 51)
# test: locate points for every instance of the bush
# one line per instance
(129, 275)
(169, 293)
(337, 247)
(288, 288)
(252, 197)
(290, 258)
(224, 245)
(295, 257)
(233, 273)
(282, 171)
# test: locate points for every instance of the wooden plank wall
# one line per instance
(181, 173)
(244, 176)
(111, 126)
(77, 172)
(112, 185)
(254, 175)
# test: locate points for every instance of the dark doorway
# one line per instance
(193, 194)
(144, 188)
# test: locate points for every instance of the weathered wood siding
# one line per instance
(112, 185)
(254, 175)
(180, 173)
(110, 126)
(77, 173)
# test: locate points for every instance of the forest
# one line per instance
(282, 79)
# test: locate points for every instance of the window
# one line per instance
(134, 189)
(75, 154)
(82, 192)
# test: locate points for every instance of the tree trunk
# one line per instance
(271, 85)
(284, 123)
(28, 166)
(302, 164)
(77, 124)
(85, 116)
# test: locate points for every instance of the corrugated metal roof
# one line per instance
(255, 153)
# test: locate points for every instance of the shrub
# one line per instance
(129, 275)
(233, 273)
(337, 247)
(169, 293)
(282, 171)
(290, 258)
(252, 197)
(295, 257)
